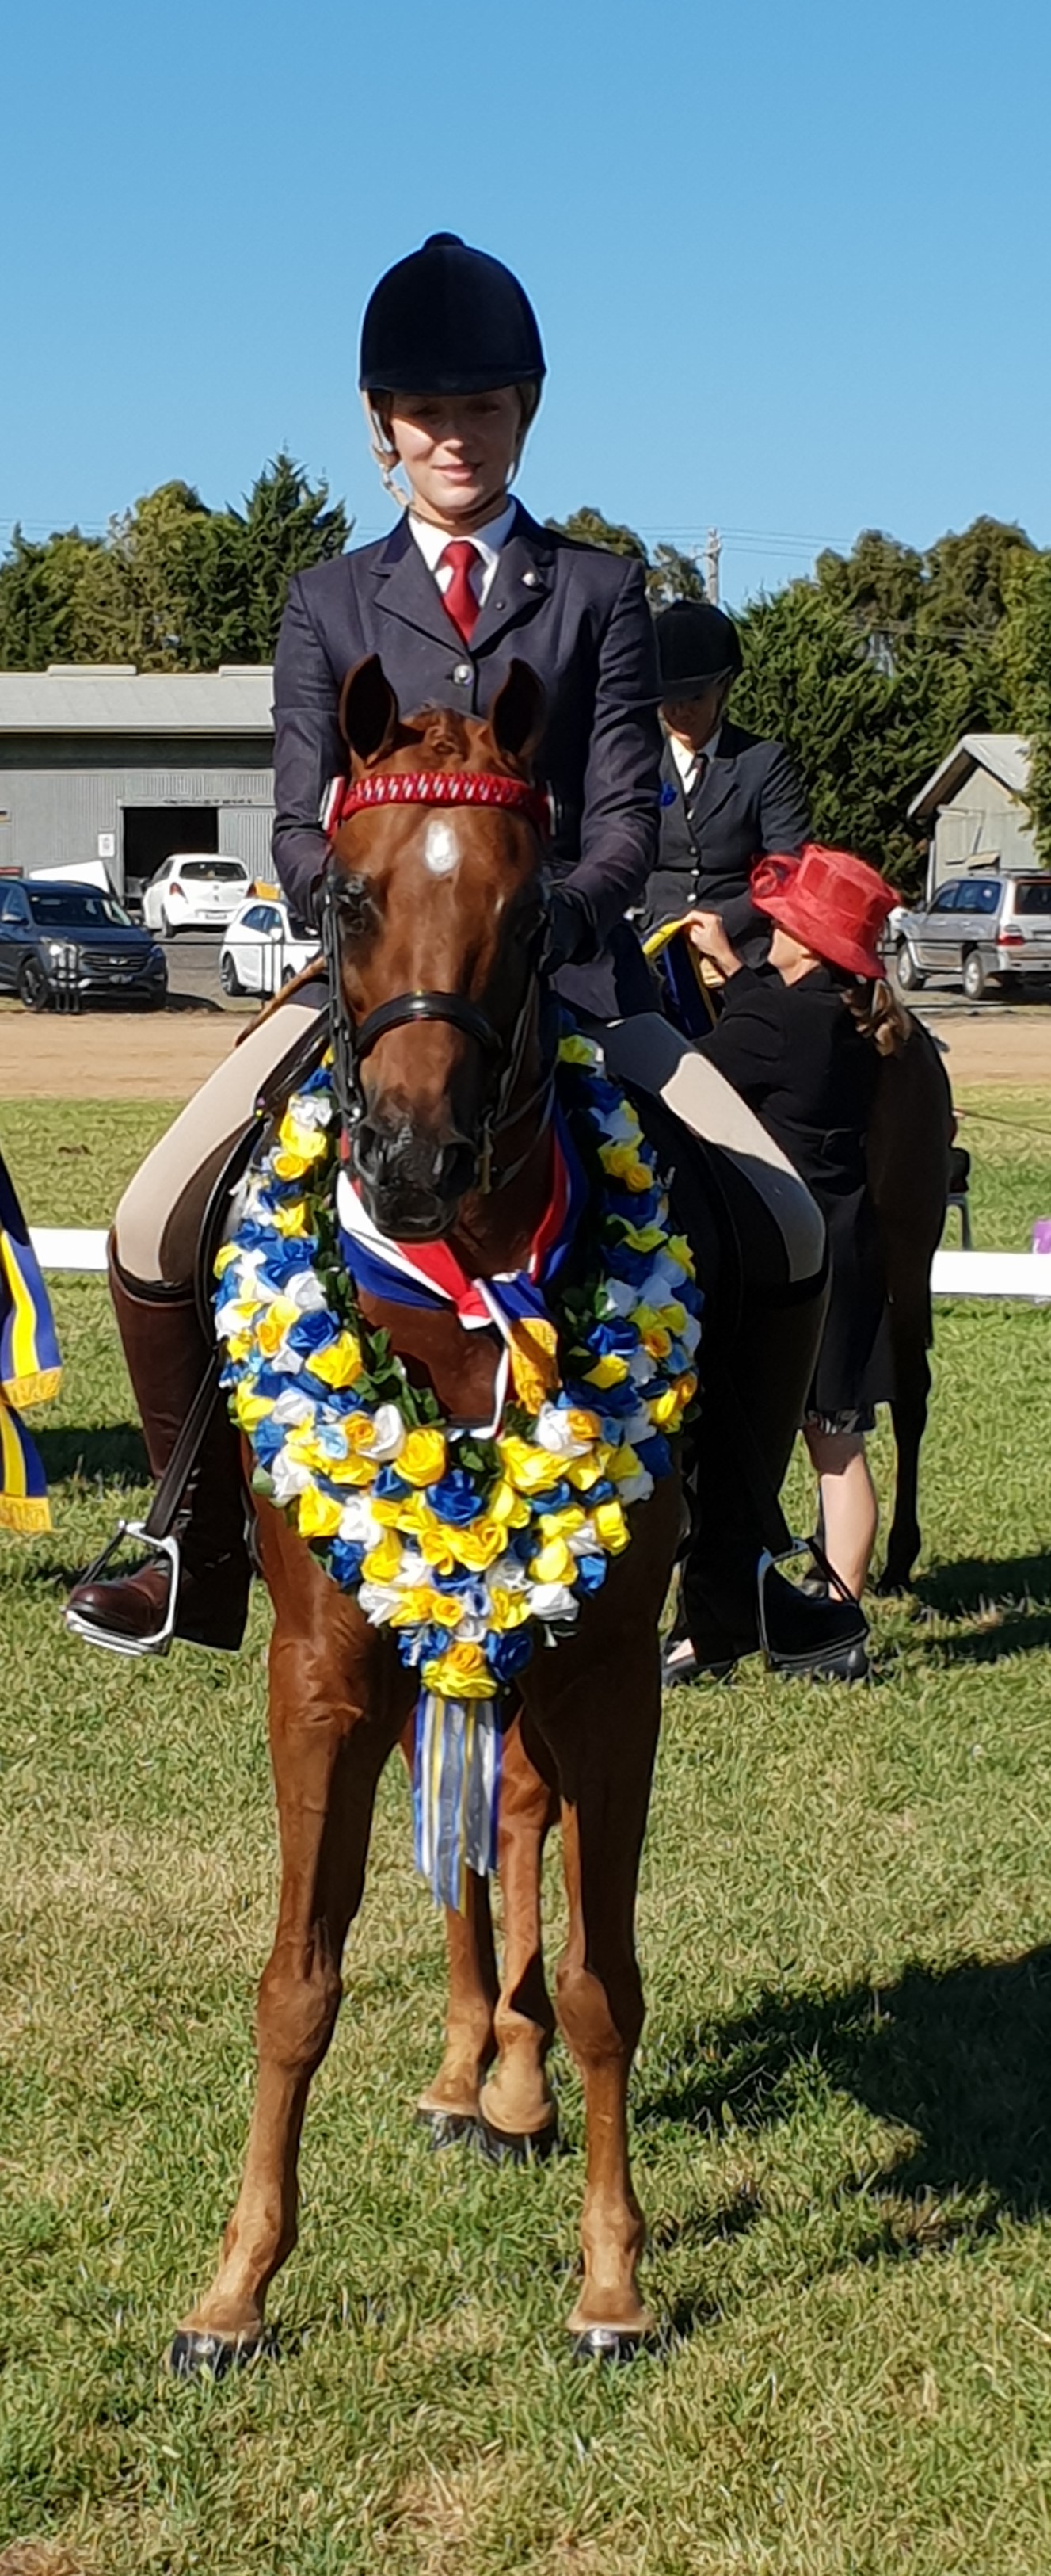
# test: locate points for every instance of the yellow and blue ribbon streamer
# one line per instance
(30, 1368)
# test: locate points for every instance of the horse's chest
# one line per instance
(439, 1352)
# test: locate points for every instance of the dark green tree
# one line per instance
(41, 599)
(1025, 651)
(287, 525)
(669, 574)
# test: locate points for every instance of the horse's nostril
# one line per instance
(454, 1170)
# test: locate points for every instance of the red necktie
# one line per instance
(459, 600)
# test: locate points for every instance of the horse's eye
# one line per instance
(354, 906)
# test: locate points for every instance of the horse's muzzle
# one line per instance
(412, 1184)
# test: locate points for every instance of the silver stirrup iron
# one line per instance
(111, 1638)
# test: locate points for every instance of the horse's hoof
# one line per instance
(447, 2128)
(516, 2147)
(208, 2356)
(614, 2344)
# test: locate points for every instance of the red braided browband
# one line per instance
(432, 787)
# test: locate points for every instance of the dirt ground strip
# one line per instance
(107, 1058)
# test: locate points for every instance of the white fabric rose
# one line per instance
(388, 1434)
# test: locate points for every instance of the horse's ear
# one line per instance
(368, 710)
(516, 717)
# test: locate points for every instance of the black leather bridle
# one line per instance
(353, 1041)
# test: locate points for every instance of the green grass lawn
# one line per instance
(842, 2104)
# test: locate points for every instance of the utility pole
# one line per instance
(712, 553)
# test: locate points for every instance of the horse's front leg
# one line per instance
(517, 2107)
(449, 2105)
(597, 1702)
(337, 1702)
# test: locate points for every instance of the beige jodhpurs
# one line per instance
(161, 1213)
(647, 1051)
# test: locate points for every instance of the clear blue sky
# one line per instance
(791, 257)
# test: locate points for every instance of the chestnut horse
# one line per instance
(438, 932)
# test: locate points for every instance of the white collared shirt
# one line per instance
(687, 759)
(488, 542)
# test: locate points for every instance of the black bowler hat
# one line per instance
(696, 646)
(448, 320)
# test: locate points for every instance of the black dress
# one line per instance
(797, 1057)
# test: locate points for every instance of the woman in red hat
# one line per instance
(800, 1040)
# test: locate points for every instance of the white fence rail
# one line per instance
(1017, 1276)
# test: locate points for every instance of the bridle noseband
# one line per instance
(352, 1042)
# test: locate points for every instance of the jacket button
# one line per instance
(463, 674)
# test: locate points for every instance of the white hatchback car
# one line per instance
(193, 891)
(261, 951)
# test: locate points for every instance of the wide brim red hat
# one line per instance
(830, 900)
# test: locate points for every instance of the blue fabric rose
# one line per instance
(455, 1498)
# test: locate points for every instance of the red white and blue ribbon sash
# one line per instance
(429, 1274)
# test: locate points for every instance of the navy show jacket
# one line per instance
(578, 616)
(747, 804)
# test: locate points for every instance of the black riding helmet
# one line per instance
(449, 320)
(697, 645)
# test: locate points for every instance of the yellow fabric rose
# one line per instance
(609, 1371)
(382, 1562)
(318, 1515)
(563, 1524)
(414, 1607)
(291, 1220)
(461, 1673)
(530, 1470)
(507, 1506)
(583, 1426)
(507, 1609)
(422, 1460)
(278, 1320)
(442, 1611)
(657, 1342)
(340, 1364)
(641, 1238)
(611, 1526)
(250, 1409)
(477, 1546)
(553, 1563)
(624, 1462)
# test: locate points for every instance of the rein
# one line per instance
(353, 1041)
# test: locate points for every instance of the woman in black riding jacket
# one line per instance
(451, 372)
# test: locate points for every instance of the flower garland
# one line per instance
(467, 1548)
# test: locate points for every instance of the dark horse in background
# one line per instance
(910, 1150)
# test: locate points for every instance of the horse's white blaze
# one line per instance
(440, 848)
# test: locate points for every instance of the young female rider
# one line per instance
(451, 371)
(802, 1044)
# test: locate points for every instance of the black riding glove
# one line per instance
(571, 928)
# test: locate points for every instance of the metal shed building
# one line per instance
(974, 810)
(100, 761)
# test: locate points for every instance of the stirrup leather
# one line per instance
(113, 1639)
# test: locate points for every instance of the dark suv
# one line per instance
(74, 942)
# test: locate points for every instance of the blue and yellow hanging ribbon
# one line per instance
(30, 1368)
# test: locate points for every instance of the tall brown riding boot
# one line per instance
(167, 1355)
